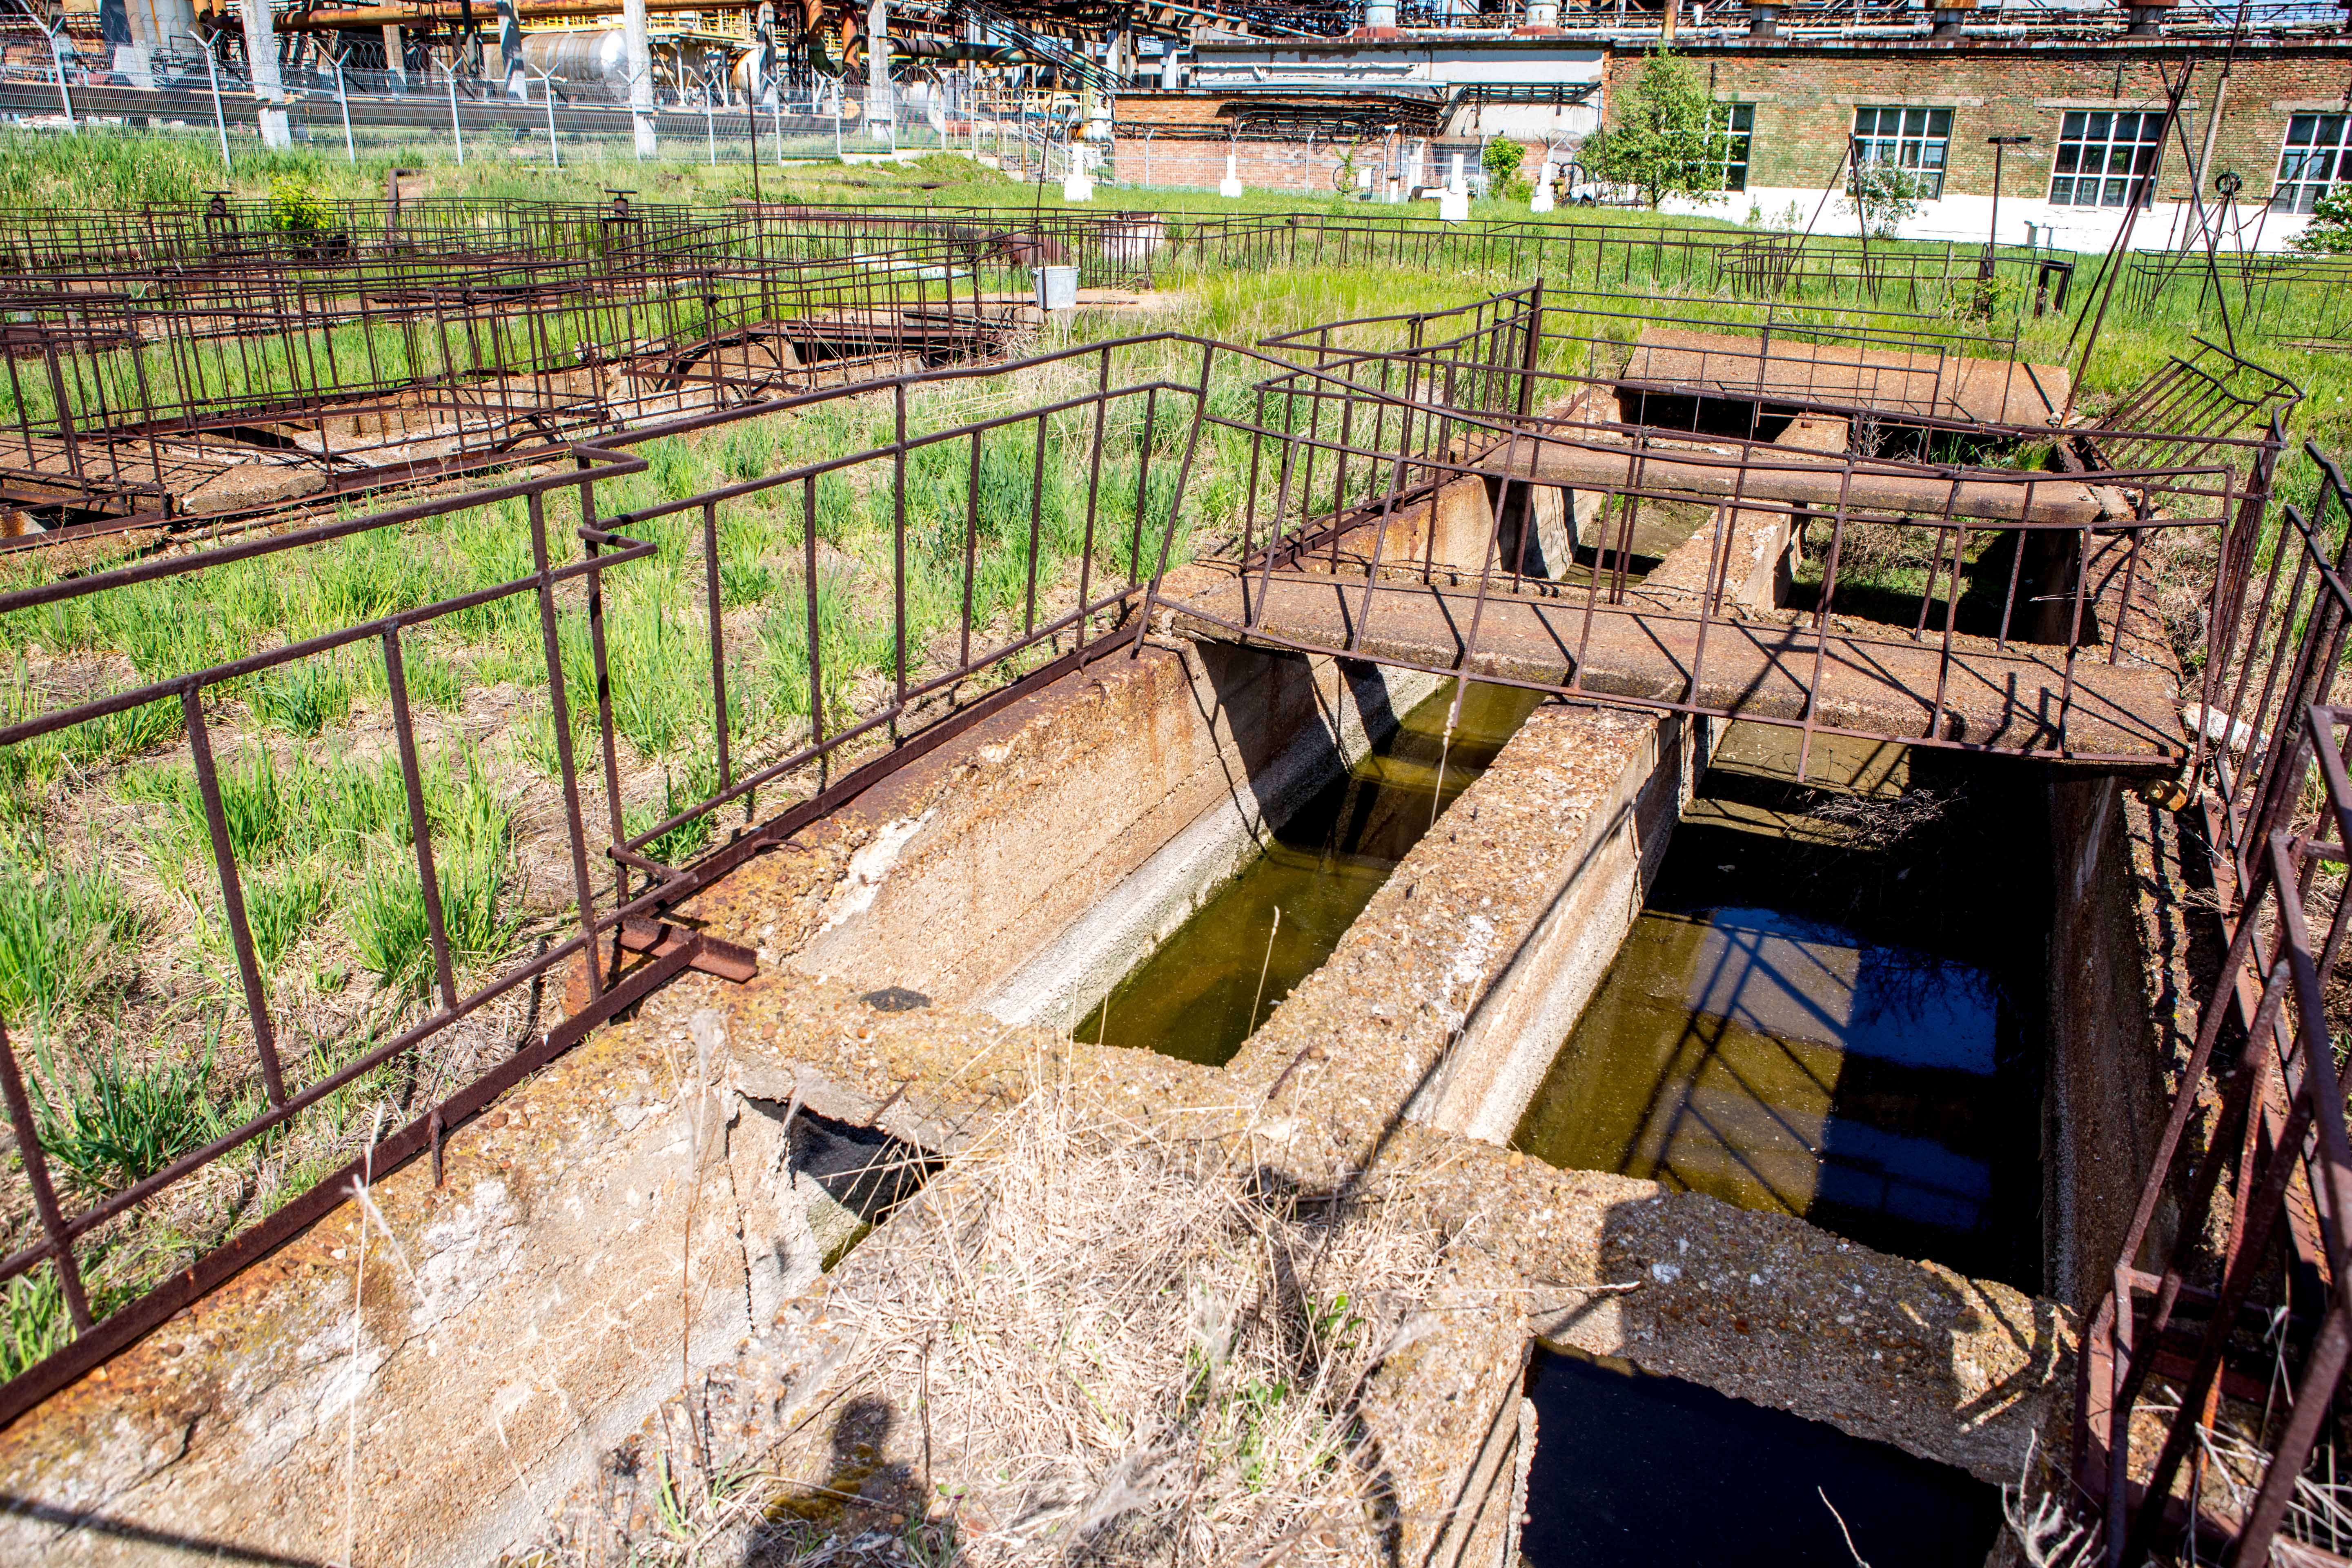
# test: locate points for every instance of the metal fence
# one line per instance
(985, 600)
(2213, 1371)
(536, 118)
(2032, 577)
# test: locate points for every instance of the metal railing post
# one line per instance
(456, 131)
(343, 102)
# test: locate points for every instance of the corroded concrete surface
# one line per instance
(1873, 678)
(519, 1325)
(969, 866)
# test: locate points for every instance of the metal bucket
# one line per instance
(1058, 287)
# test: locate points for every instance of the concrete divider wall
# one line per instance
(2106, 1097)
(1036, 866)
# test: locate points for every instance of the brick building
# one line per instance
(2092, 102)
(2095, 108)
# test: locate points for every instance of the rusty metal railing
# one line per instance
(1031, 576)
(1363, 464)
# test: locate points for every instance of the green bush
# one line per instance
(296, 206)
(2329, 233)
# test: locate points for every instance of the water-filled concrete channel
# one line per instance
(1208, 987)
(1805, 1021)
(1837, 1013)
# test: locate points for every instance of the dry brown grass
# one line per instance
(1096, 1344)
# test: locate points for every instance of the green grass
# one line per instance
(111, 1123)
(62, 933)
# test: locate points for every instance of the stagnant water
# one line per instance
(1208, 987)
(1852, 1034)
(1634, 1469)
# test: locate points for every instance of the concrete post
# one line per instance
(395, 53)
(261, 66)
(510, 53)
(877, 64)
(640, 65)
(1171, 78)
(131, 59)
(170, 25)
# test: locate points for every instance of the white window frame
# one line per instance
(1917, 141)
(1737, 124)
(2309, 168)
(2089, 140)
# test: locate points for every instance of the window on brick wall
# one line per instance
(1916, 139)
(2317, 154)
(1737, 122)
(2100, 152)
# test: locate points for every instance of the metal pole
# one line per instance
(456, 130)
(1992, 232)
(751, 125)
(220, 126)
(709, 130)
(776, 110)
(343, 100)
(58, 59)
(554, 157)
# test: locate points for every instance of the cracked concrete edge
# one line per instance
(1971, 1376)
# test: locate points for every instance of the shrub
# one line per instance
(296, 206)
(2329, 233)
(1884, 195)
(1502, 159)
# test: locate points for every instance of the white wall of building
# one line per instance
(2024, 220)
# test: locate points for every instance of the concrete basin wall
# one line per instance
(1030, 869)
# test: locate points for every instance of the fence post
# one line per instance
(456, 131)
(220, 125)
(58, 59)
(343, 102)
(554, 153)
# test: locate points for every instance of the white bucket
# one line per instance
(1058, 287)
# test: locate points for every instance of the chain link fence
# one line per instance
(534, 118)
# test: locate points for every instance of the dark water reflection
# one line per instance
(1199, 995)
(1644, 1471)
(1844, 1036)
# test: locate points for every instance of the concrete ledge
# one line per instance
(1596, 876)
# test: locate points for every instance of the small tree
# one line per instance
(2329, 233)
(1502, 160)
(1668, 140)
(1884, 195)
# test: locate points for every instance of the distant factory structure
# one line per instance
(2069, 115)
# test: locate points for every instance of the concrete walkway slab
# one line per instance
(1871, 680)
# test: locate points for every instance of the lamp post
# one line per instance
(1999, 145)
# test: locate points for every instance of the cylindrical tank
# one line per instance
(590, 63)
